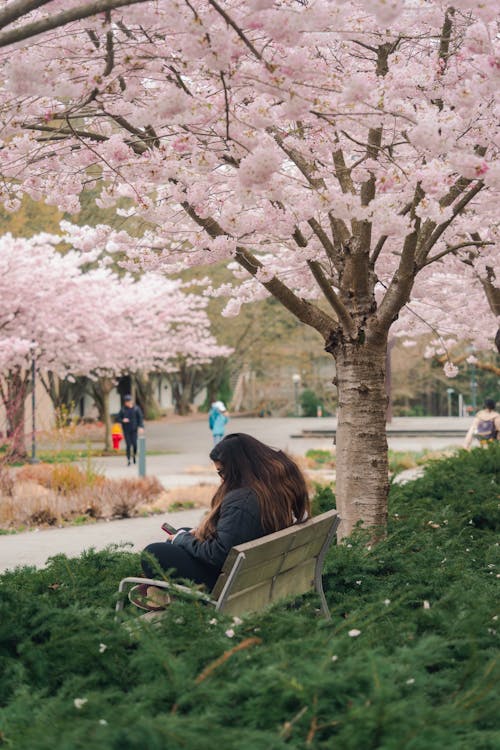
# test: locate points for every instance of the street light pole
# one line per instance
(34, 459)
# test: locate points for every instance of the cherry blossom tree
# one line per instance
(332, 152)
(95, 323)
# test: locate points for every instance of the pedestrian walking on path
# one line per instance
(132, 421)
(217, 420)
(485, 426)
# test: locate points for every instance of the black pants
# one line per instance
(183, 565)
(130, 441)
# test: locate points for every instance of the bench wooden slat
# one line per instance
(256, 573)
(296, 581)
(273, 546)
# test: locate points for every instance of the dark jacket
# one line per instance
(134, 416)
(239, 521)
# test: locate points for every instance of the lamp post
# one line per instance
(33, 459)
(296, 382)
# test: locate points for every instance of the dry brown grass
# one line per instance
(73, 433)
(46, 494)
(179, 498)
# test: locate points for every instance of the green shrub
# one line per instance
(409, 661)
(309, 402)
(320, 458)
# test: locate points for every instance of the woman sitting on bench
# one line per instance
(262, 490)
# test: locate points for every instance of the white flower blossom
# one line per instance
(387, 602)
(426, 604)
(354, 633)
(80, 702)
(230, 633)
(102, 648)
(410, 681)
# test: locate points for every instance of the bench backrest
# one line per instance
(284, 563)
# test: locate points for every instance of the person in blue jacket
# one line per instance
(217, 420)
(262, 490)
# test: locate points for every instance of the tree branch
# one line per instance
(332, 298)
(68, 131)
(110, 50)
(316, 183)
(18, 8)
(453, 249)
(235, 26)
(301, 308)
(55, 21)
(457, 209)
(398, 292)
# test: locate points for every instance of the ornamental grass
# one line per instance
(408, 662)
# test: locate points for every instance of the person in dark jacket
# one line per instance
(262, 490)
(132, 421)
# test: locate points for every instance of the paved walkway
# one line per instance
(35, 547)
(186, 463)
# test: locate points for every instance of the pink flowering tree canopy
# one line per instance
(92, 323)
(334, 152)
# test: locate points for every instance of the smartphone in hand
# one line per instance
(169, 528)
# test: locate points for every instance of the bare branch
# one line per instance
(453, 249)
(226, 103)
(68, 131)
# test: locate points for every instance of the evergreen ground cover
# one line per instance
(409, 661)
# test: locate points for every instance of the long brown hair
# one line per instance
(273, 476)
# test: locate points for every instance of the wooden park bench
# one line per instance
(259, 573)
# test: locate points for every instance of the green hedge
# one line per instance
(422, 673)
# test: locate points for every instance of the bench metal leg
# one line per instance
(173, 587)
(219, 605)
(318, 571)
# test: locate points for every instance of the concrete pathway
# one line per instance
(185, 462)
(35, 547)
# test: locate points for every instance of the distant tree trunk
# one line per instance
(145, 395)
(101, 388)
(65, 395)
(186, 383)
(13, 390)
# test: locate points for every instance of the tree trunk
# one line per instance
(65, 395)
(145, 396)
(14, 397)
(183, 384)
(362, 463)
(101, 388)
